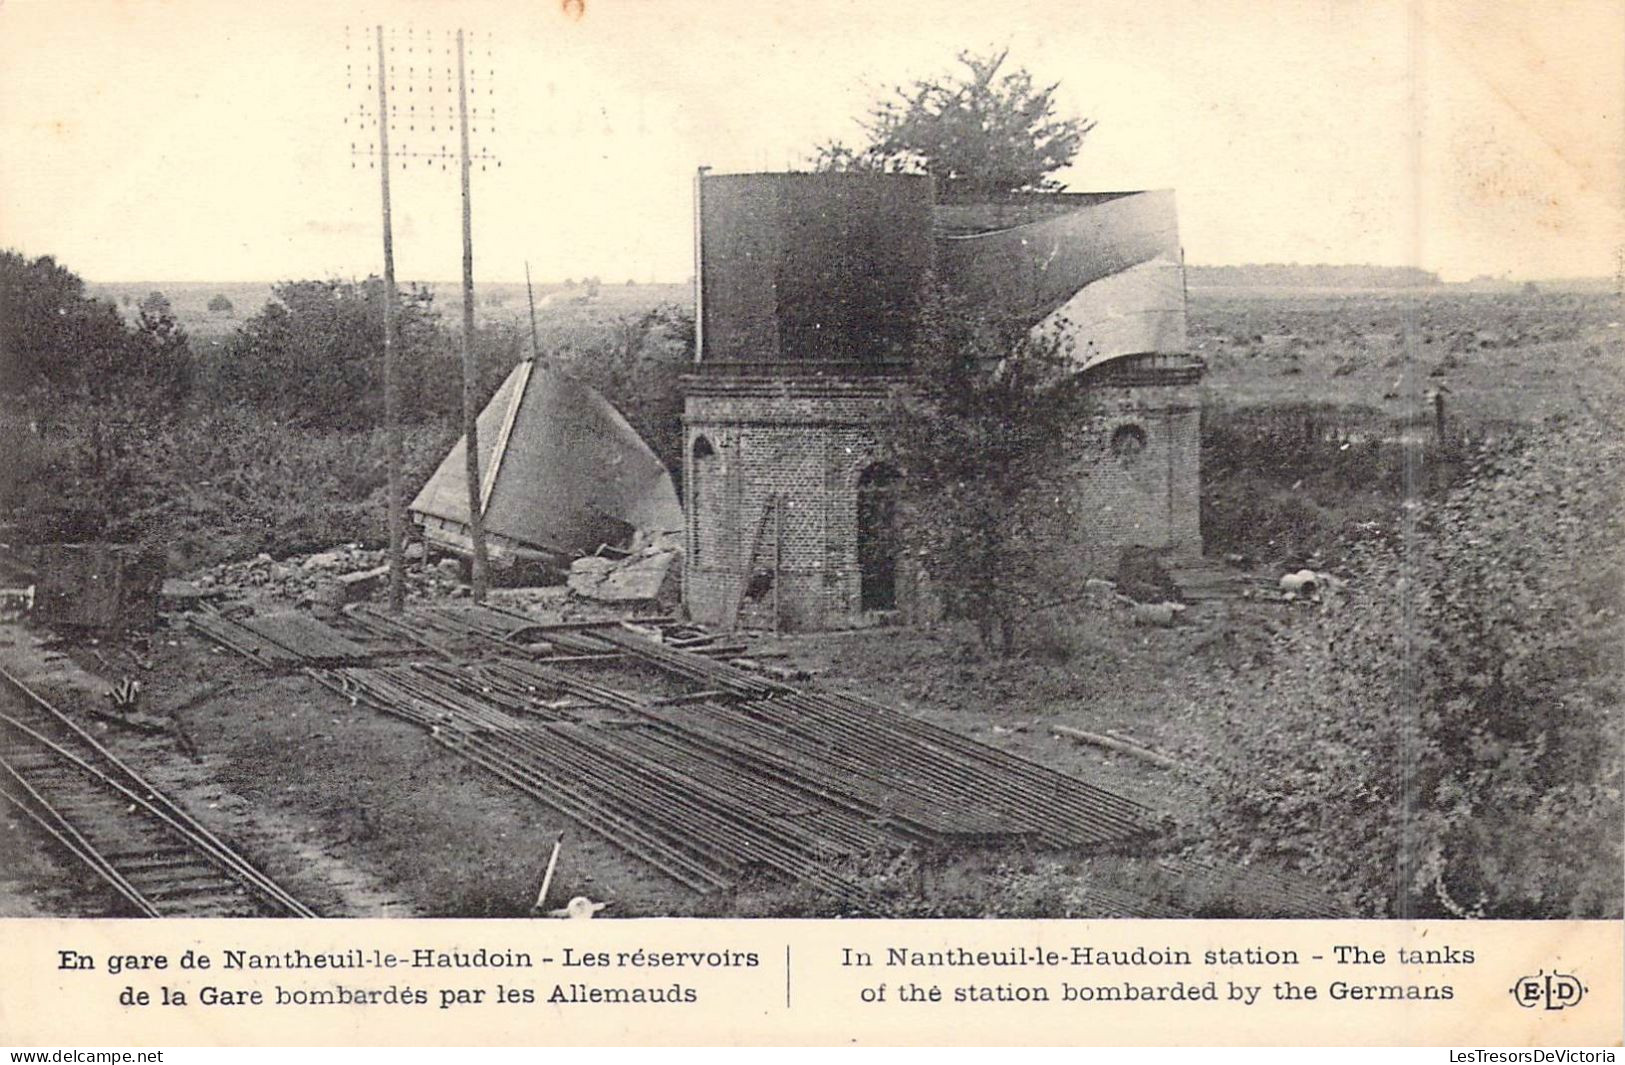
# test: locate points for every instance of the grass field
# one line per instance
(1507, 354)
(494, 301)
(1504, 357)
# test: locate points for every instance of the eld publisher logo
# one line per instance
(1554, 991)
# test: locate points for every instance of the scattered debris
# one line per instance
(15, 602)
(316, 578)
(125, 695)
(123, 701)
(1308, 584)
(1112, 743)
(653, 574)
(356, 587)
(177, 592)
(547, 877)
(579, 908)
(767, 669)
(1156, 615)
(1204, 581)
(1302, 584)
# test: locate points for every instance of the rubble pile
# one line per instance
(653, 573)
(346, 573)
(650, 574)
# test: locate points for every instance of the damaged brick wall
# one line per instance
(807, 442)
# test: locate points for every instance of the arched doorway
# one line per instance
(704, 512)
(877, 538)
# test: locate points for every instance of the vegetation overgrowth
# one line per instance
(970, 445)
(1444, 739)
(271, 440)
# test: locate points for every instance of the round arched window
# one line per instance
(1128, 441)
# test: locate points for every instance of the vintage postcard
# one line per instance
(738, 523)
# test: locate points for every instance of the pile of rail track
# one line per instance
(704, 770)
(156, 857)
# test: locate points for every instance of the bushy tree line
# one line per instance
(1312, 275)
(1446, 741)
(56, 340)
(114, 430)
(314, 356)
(311, 357)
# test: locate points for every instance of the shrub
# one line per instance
(971, 442)
(1280, 484)
(314, 355)
(1447, 741)
(216, 486)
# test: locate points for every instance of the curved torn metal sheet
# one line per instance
(1108, 273)
(1140, 311)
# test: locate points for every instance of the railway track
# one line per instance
(156, 858)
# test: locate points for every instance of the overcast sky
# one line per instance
(204, 140)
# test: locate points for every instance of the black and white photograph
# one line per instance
(605, 459)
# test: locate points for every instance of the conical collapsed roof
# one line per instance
(556, 460)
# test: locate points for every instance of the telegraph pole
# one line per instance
(393, 447)
(535, 347)
(471, 410)
(426, 112)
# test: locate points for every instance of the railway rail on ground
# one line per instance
(155, 858)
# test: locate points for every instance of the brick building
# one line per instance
(808, 287)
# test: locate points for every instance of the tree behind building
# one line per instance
(985, 130)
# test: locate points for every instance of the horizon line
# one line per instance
(686, 282)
